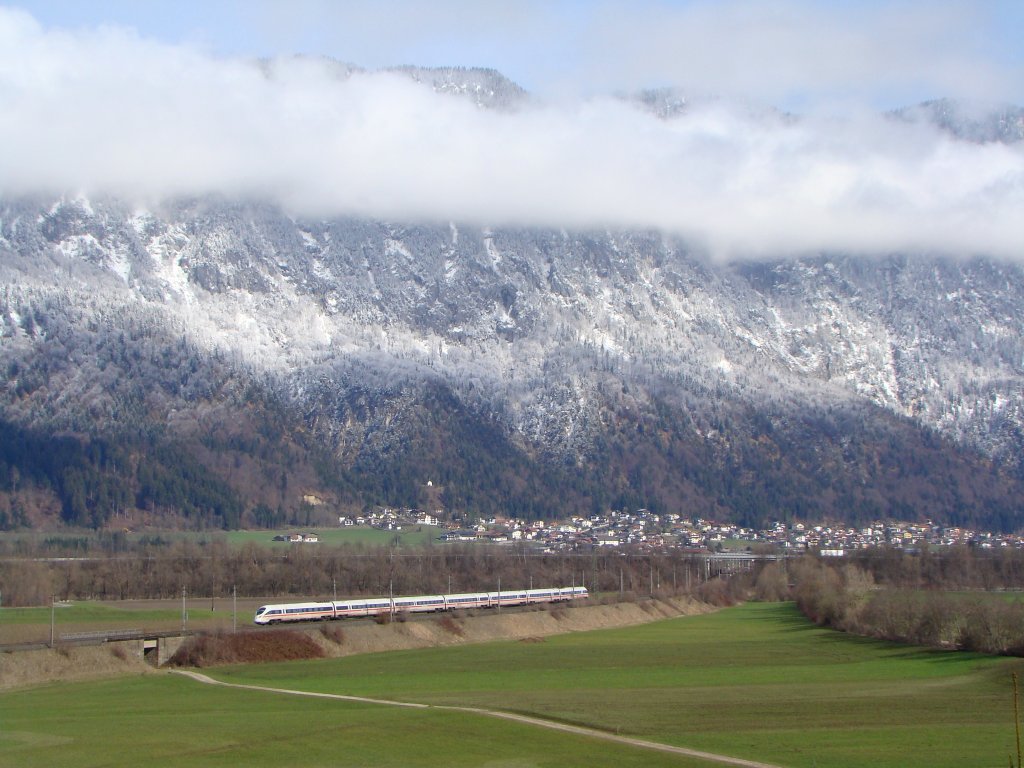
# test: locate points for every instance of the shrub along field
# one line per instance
(757, 681)
(845, 596)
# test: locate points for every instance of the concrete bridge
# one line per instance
(153, 647)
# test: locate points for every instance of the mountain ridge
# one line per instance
(249, 358)
(348, 325)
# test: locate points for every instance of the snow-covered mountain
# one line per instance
(522, 370)
(971, 122)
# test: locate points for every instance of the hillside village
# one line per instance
(644, 530)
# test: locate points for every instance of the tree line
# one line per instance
(960, 599)
(213, 568)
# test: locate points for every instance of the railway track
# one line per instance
(98, 637)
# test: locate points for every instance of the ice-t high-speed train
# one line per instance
(373, 606)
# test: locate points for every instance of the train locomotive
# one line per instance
(374, 606)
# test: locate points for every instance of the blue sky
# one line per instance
(793, 53)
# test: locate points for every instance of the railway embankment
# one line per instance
(487, 626)
(345, 638)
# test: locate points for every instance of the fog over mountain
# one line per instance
(107, 112)
(229, 286)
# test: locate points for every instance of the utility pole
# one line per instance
(53, 604)
(184, 615)
(499, 594)
(234, 608)
(1016, 715)
(213, 579)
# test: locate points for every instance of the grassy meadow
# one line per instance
(28, 625)
(410, 536)
(756, 681)
(81, 612)
(169, 721)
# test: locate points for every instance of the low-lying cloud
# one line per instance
(108, 112)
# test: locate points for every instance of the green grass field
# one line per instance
(169, 721)
(755, 681)
(409, 536)
(83, 612)
(28, 625)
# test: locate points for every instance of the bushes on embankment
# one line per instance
(846, 597)
(245, 648)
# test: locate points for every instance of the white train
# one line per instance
(349, 608)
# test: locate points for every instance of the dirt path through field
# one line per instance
(535, 721)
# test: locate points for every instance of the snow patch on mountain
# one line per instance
(545, 329)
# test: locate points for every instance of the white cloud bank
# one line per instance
(107, 112)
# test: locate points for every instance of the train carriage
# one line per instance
(374, 606)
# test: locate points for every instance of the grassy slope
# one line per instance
(756, 681)
(168, 721)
